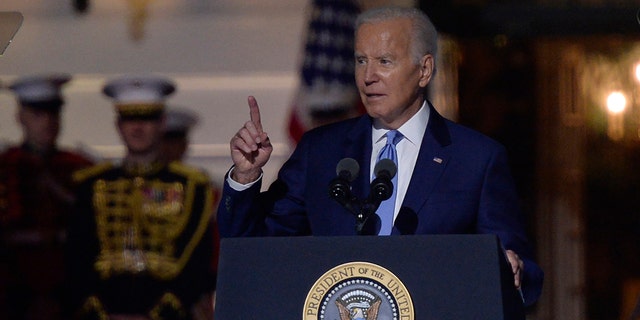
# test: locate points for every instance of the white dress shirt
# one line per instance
(407, 150)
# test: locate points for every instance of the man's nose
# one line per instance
(370, 74)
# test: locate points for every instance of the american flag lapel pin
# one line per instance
(437, 160)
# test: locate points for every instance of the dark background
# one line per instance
(497, 96)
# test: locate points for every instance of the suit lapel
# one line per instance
(358, 146)
(432, 160)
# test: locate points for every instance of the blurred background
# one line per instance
(557, 82)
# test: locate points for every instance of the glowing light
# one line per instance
(638, 72)
(616, 102)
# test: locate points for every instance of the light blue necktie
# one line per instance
(386, 209)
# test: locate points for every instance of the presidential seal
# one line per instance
(358, 291)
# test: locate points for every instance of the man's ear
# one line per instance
(427, 67)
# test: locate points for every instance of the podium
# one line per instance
(338, 278)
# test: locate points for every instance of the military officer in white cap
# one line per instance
(175, 140)
(36, 196)
(141, 246)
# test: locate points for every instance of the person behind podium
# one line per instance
(140, 244)
(176, 135)
(450, 179)
(36, 196)
(174, 146)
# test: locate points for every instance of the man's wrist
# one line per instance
(237, 185)
(245, 177)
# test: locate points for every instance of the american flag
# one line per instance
(327, 90)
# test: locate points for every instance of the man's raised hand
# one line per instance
(250, 147)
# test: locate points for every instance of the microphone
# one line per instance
(348, 168)
(340, 187)
(381, 186)
(406, 222)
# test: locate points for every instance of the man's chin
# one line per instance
(44, 144)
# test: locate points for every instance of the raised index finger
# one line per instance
(254, 113)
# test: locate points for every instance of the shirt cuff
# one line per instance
(237, 186)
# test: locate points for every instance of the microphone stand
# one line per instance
(381, 189)
(366, 210)
(362, 210)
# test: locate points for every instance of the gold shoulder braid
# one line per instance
(83, 174)
(142, 169)
(169, 307)
(195, 178)
(93, 309)
(138, 223)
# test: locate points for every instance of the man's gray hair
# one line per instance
(423, 32)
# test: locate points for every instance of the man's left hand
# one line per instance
(517, 265)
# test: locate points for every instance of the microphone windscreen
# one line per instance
(406, 222)
(385, 165)
(349, 166)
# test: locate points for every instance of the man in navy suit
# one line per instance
(451, 179)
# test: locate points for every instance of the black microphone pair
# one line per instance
(347, 171)
(381, 187)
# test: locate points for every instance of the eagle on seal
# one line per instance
(359, 313)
